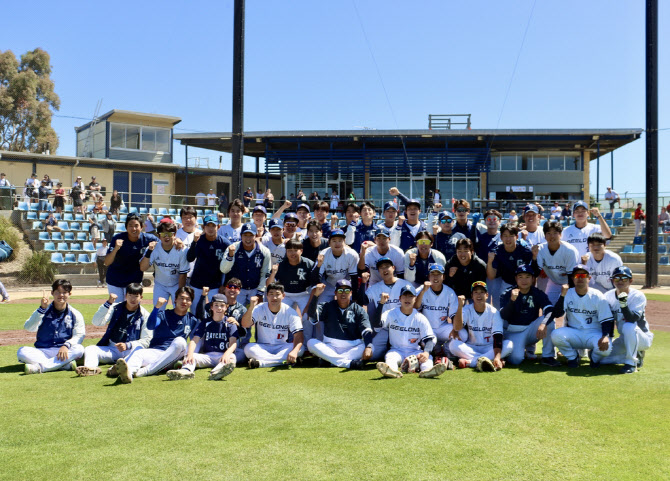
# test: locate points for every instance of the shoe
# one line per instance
(324, 363)
(531, 356)
(627, 369)
(386, 371)
(124, 372)
(446, 361)
(550, 361)
(178, 365)
(593, 364)
(254, 363)
(484, 364)
(221, 371)
(83, 371)
(357, 364)
(32, 369)
(99, 284)
(640, 359)
(180, 374)
(434, 371)
(111, 372)
(104, 284)
(573, 363)
(5, 300)
(463, 363)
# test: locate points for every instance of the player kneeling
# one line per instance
(126, 329)
(219, 341)
(276, 323)
(60, 331)
(485, 348)
(409, 330)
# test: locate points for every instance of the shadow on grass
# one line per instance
(11, 368)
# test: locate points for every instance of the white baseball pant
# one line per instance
(631, 340)
(203, 360)
(119, 291)
(166, 292)
(300, 299)
(269, 355)
(395, 357)
(94, 355)
(312, 331)
(338, 352)
(568, 340)
(45, 357)
(471, 352)
(146, 362)
(442, 332)
(524, 336)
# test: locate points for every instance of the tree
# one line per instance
(27, 98)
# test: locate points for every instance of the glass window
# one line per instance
(526, 162)
(495, 162)
(118, 136)
(377, 190)
(459, 189)
(417, 189)
(148, 139)
(132, 137)
(473, 188)
(540, 162)
(556, 162)
(508, 162)
(403, 186)
(573, 162)
(162, 140)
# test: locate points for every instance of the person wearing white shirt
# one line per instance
(200, 198)
(4, 181)
(211, 198)
(578, 233)
(556, 258)
(601, 263)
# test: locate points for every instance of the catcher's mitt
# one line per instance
(484, 364)
(410, 364)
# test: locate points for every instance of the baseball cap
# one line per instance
(390, 205)
(166, 220)
(219, 298)
(531, 208)
(249, 227)
(481, 284)
(259, 208)
(290, 217)
(622, 271)
(276, 223)
(303, 206)
(580, 267)
(383, 231)
(580, 203)
(337, 233)
(524, 269)
(408, 289)
(343, 283)
(445, 215)
(413, 201)
(211, 219)
(383, 259)
(436, 267)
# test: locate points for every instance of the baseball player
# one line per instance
(304, 215)
(207, 251)
(504, 260)
(556, 258)
(170, 264)
(578, 233)
(464, 268)
(275, 243)
(347, 338)
(171, 328)
(531, 232)
(463, 225)
(628, 306)
(321, 211)
(488, 240)
(601, 263)
(588, 321)
(249, 262)
(297, 274)
(485, 348)
(186, 233)
(420, 257)
(291, 227)
(258, 216)
(231, 231)
(124, 255)
(527, 313)
(314, 242)
(126, 323)
(335, 263)
(60, 331)
(363, 230)
(390, 215)
(382, 247)
(446, 238)
(213, 342)
(279, 337)
(408, 228)
(409, 334)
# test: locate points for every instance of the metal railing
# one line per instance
(445, 122)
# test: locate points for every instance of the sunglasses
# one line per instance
(423, 242)
(620, 278)
(342, 290)
(291, 224)
(445, 221)
(233, 287)
(491, 218)
(580, 275)
(167, 234)
(461, 209)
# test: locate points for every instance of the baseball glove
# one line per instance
(410, 364)
(484, 364)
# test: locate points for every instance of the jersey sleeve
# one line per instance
(256, 313)
(604, 311)
(353, 263)
(184, 265)
(295, 324)
(199, 330)
(497, 324)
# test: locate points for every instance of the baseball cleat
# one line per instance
(640, 359)
(386, 371)
(323, 363)
(593, 364)
(550, 361)
(221, 371)
(253, 363)
(484, 364)
(5, 300)
(111, 372)
(434, 371)
(83, 371)
(627, 369)
(32, 369)
(357, 364)
(531, 356)
(463, 363)
(180, 374)
(124, 372)
(573, 363)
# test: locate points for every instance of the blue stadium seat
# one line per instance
(628, 215)
(617, 223)
(70, 259)
(132, 210)
(75, 226)
(618, 215)
(153, 211)
(88, 247)
(122, 218)
(664, 261)
(637, 240)
(163, 211)
(49, 246)
(23, 206)
(44, 236)
(37, 225)
(85, 226)
(199, 220)
(33, 207)
(56, 236)
(67, 216)
(81, 237)
(608, 216)
(68, 236)
(83, 259)
(63, 247)
(58, 216)
(31, 215)
(208, 211)
(57, 258)
(627, 249)
(662, 249)
(89, 208)
(63, 225)
(75, 246)
(199, 212)
(43, 216)
(79, 217)
(609, 222)
(144, 211)
(120, 227)
(69, 208)
(638, 249)
(177, 220)
(173, 211)
(123, 209)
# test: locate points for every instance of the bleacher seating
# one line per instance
(88, 247)
(627, 249)
(664, 261)
(49, 246)
(70, 259)
(123, 209)
(81, 237)
(618, 215)
(68, 217)
(63, 246)
(75, 246)
(23, 206)
(56, 236)
(63, 225)
(144, 211)
(173, 211)
(83, 259)
(69, 236)
(31, 216)
(75, 226)
(662, 249)
(44, 236)
(638, 240)
(37, 225)
(57, 258)
(69, 208)
(628, 215)
(638, 249)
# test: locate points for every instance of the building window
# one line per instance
(540, 162)
(556, 162)
(135, 137)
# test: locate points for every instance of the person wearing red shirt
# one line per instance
(639, 217)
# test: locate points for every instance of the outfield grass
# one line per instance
(313, 424)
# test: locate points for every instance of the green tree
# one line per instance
(27, 98)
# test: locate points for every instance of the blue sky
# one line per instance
(355, 63)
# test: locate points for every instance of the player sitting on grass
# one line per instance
(588, 321)
(276, 324)
(219, 341)
(485, 348)
(411, 339)
(126, 329)
(171, 328)
(60, 331)
(347, 335)
(628, 305)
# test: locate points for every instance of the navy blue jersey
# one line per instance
(124, 326)
(421, 267)
(126, 266)
(348, 324)
(407, 240)
(486, 243)
(446, 243)
(167, 326)
(469, 230)
(310, 252)
(325, 230)
(507, 262)
(236, 311)
(526, 308)
(248, 269)
(207, 256)
(297, 279)
(364, 233)
(57, 327)
(215, 335)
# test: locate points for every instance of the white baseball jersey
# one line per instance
(407, 332)
(586, 312)
(233, 235)
(601, 272)
(558, 265)
(277, 252)
(394, 253)
(375, 292)
(534, 238)
(274, 328)
(577, 237)
(335, 268)
(187, 239)
(637, 303)
(438, 308)
(482, 327)
(168, 266)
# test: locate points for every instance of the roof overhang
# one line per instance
(135, 118)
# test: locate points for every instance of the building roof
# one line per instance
(130, 117)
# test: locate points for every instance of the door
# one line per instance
(121, 184)
(140, 195)
(223, 187)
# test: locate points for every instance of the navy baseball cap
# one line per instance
(290, 217)
(445, 215)
(580, 203)
(343, 283)
(383, 259)
(622, 271)
(408, 289)
(531, 208)
(211, 219)
(436, 267)
(275, 223)
(249, 227)
(337, 233)
(390, 205)
(219, 298)
(580, 267)
(413, 201)
(260, 208)
(481, 284)
(303, 206)
(383, 231)
(524, 269)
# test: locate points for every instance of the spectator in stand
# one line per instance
(150, 226)
(247, 197)
(94, 189)
(94, 228)
(200, 199)
(99, 206)
(31, 186)
(301, 196)
(664, 217)
(49, 182)
(211, 198)
(260, 197)
(223, 203)
(334, 202)
(512, 217)
(43, 195)
(100, 253)
(612, 197)
(556, 210)
(566, 213)
(79, 183)
(115, 202)
(108, 227)
(639, 218)
(4, 181)
(269, 199)
(59, 198)
(76, 194)
(51, 224)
